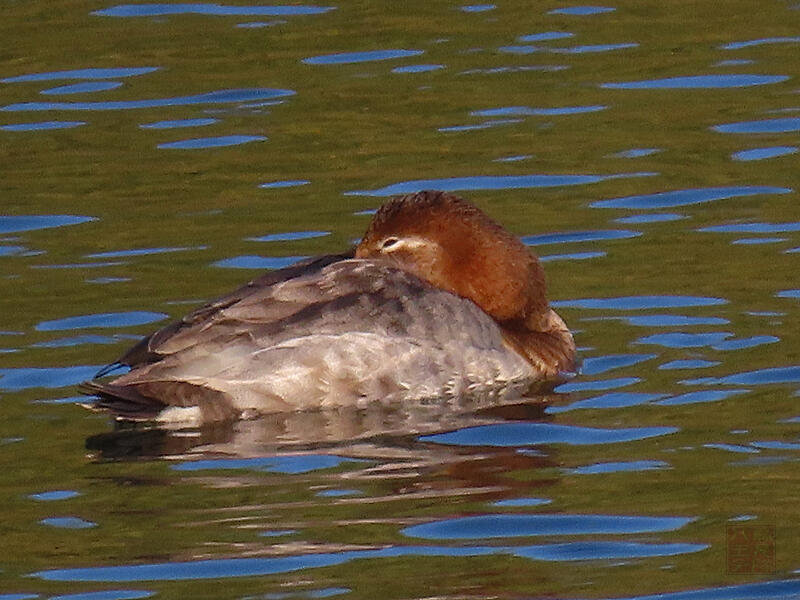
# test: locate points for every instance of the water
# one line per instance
(153, 156)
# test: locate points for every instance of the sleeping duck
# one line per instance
(437, 300)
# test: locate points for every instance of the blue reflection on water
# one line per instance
(510, 525)
(158, 10)
(764, 126)
(476, 8)
(619, 467)
(55, 495)
(417, 68)
(636, 153)
(775, 590)
(212, 142)
(528, 111)
(258, 262)
(572, 256)
(359, 57)
(68, 522)
(216, 97)
(611, 400)
(516, 502)
(142, 252)
(763, 153)
(700, 397)
(760, 42)
(545, 36)
(578, 236)
(602, 364)
(685, 197)
(42, 125)
(601, 384)
(284, 184)
(9, 224)
(581, 10)
(684, 340)
(763, 376)
(523, 434)
(78, 340)
(275, 464)
(489, 182)
(639, 302)
(178, 123)
(697, 82)
(585, 49)
(289, 236)
(248, 567)
(83, 88)
(753, 228)
(484, 125)
(688, 364)
(757, 241)
(119, 319)
(81, 74)
(788, 294)
(104, 595)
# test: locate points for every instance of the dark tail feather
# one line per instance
(123, 402)
(109, 369)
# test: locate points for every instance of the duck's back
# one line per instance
(351, 332)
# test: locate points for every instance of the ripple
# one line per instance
(619, 467)
(54, 495)
(757, 241)
(509, 525)
(417, 69)
(68, 522)
(602, 364)
(585, 49)
(639, 302)
(572, 256)
(668, 320)
(579, 236)
(216, 97)
(489, 182)
(762, 376)
(143, 251)
(284, 184)
(688, 364)
(9, 224)
(477, 8)
(788, 294)
(545, 36)
(611, 400)
(516, 502)
(212, 142)
(732, 448)
(636, 153)
(83, 88)
(12, 250)
(359, 57)
(581, 11)
(272, 464)
(785, 125)
(178, 123)
(763, 153)
(119, 319)
(684, 340)
(700, 397)
(478, 126)
(685, 197)
(78, 340)
(750, 342)
(258, 262)
(52, 377)
(42, 125)
(525, 434)
(104, 595)
(290, 236)
(753, 228)
(545, 112)
(760, 42)
(160, 10)
(602, 384)
(81, 74)
(697, 82)
(249, 567)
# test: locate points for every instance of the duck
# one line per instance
(436, 301)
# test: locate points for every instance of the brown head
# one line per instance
(449, 242)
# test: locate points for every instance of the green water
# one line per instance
(361, 126)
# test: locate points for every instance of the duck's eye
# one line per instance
(389, 242)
